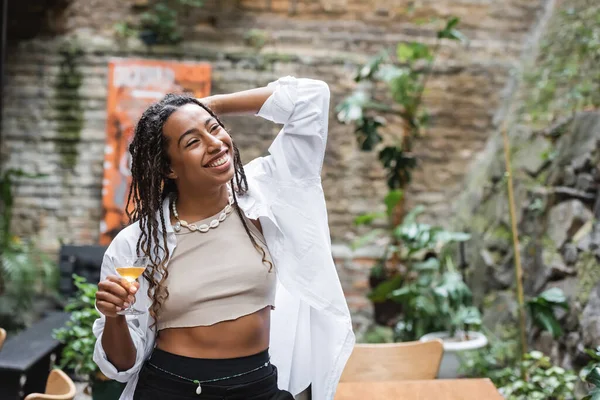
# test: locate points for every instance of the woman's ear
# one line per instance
(171, 174)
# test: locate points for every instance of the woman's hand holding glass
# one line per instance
(115, 295)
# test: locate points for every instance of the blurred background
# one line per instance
(433, 232)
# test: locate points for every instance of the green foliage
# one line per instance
(392, 199)
(25, 271)
(565, 77)
(416, 238)
(77, 336)
(398, 164)
(588, 275)
(541, 309)
(419, 238)
(490, 361)
(67, 103)
(591, 375)
(125, 30)
(405, 76)
(378, 334)
(499, 362)
(382, 292)
(432, 297)
(450, 31)
(161, 23)
(545, 380)
(437, 300)
(256, 38)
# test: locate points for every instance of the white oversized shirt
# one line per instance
(311, 330)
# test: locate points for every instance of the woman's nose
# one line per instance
(214, 144)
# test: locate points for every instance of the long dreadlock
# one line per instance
(150, 186)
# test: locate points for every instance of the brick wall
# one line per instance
(322, 39)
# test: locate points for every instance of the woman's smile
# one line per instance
(221, 162)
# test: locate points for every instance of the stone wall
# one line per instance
(555, 168)
(60, 131)
(558, 206)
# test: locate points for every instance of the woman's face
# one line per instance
(200, 150)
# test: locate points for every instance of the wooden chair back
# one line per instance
(394, 361)
(58, 387)
(2, 337)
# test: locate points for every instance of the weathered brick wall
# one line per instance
(322, 39)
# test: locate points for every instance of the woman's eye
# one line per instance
(214, 127)
(191, 142)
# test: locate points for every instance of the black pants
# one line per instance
(155, 384)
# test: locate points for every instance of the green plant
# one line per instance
(565, 77)
(405, 73)
(437, 299)
(378, 334)
(541, 310)
(431, 297)
(161, 23)
(25, 271)
(490, 360)
(67, 103)
(125, 29)
(77, 336)
(411, 239)
(256, 38)
(545, 381)
(591, 375)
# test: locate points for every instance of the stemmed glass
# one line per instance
(131, 269)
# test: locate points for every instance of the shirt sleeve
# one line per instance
(302, 106)
(137, 328)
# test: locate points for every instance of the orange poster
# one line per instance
(132, 86)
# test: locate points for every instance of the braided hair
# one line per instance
(150, 187)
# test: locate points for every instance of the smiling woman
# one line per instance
(214, 283)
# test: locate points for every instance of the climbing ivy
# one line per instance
(67, 104)
(566, 77)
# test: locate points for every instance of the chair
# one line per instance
(58, 387)
(394, 361)
(2, 337)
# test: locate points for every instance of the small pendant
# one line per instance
(199, 388)
(177, 227)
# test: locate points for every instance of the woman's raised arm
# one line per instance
(244, 102)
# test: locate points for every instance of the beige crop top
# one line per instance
(217, 276)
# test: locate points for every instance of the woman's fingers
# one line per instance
(115, 294)
(114, 285)
(112, 299)
(108, 309)
(134, 287)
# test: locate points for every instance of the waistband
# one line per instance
(157, 382)
(203, 369)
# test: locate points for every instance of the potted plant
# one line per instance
(405, 246)
(460, 318)
(431, 299)
(79, 341)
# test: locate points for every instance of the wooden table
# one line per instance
(435, 389)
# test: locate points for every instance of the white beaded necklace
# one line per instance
(204, 227)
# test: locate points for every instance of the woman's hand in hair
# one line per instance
(114, 294)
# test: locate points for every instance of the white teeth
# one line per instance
(219, 162)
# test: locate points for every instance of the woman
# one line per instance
(257, 289)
